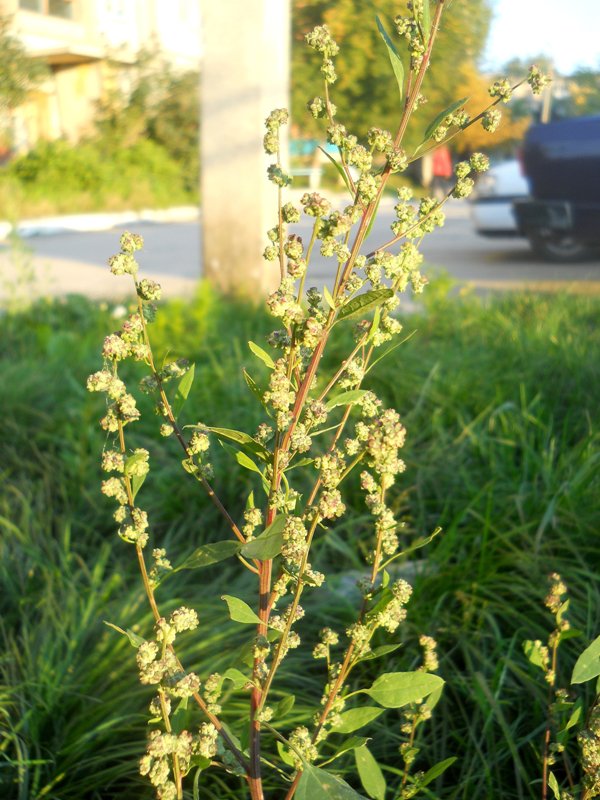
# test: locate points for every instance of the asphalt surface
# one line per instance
(76, 261)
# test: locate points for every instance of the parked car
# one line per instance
(561, 219)
(492, 201)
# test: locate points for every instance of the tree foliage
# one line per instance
(161, 105)
(19, 73)
(366, 87)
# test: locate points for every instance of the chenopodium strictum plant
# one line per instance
(274, 541)
(565, 714)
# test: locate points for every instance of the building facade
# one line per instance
(87, 45)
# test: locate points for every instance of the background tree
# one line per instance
(366, 87)
(160, 104)
(19, 74)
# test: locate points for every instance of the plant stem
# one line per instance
(170, 417)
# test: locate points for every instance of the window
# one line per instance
(53, 8)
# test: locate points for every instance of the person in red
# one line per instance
(442, 171)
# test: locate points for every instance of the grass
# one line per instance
(499, 399)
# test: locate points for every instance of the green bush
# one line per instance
(58, 177)
(503, 452)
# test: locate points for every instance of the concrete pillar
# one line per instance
(245, 74)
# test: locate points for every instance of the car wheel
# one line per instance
(562, 250)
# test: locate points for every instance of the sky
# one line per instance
(566, 30)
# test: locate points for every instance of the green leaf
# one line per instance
(318, 784)
(209, 554)
(364, 302)
(587, 665)
(262, 354)
(339, 168)
(133, 460)
(346, 746)
(373, 216)
(397, 689)
(284, 706)
(328, 298)
(436, 771)
(431, 128)
(201, 764)
(534, 653)
(241, 438)
(375, 324)
(183, 389)
(285, 755)
(576, 715)
(240, 611)
(553, 784)
(136, 484)
(246, 461)
(356, 718)
(346, 398)
(377, 652)
(269, 543)
(134, 639)
(394, 56)
(370, 773)
(253, 386)
(238, 678)
(433, 699)
(426, 21)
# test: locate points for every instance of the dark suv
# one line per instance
(562, 163)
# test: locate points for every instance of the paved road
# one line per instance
(75, 262)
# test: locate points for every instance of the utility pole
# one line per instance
(245, 75)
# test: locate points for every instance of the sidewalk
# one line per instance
(103, 221)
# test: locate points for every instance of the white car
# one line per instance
(491, 204)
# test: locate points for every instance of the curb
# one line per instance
(85, 223)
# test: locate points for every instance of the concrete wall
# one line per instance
(244, 76)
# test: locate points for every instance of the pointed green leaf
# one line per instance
(246, 461)
(262, 354)
(284, 706)
(238, 678)
(253, 386)
(200, 763)
(136, 484)
(436, 771)
(364, 302)
(587, 665)
(346, 398)
(576, 715)
(373, 216)
(241, 438)
(553, 784)
(432, 127)
(536, 653)
(346, 746)
(134, 639)
(318, 784)
(355, 718)
(378, 652)
(328, 298)
(269, 543)
(426, 21)
(183, 390)
(285, 755)
(397, 689)
(132, 461)
(370, 773)
(433, 699)
(240, 611)
(394, 56)
(339, 168)
(209, 554)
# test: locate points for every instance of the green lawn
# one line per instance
(500, 399)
